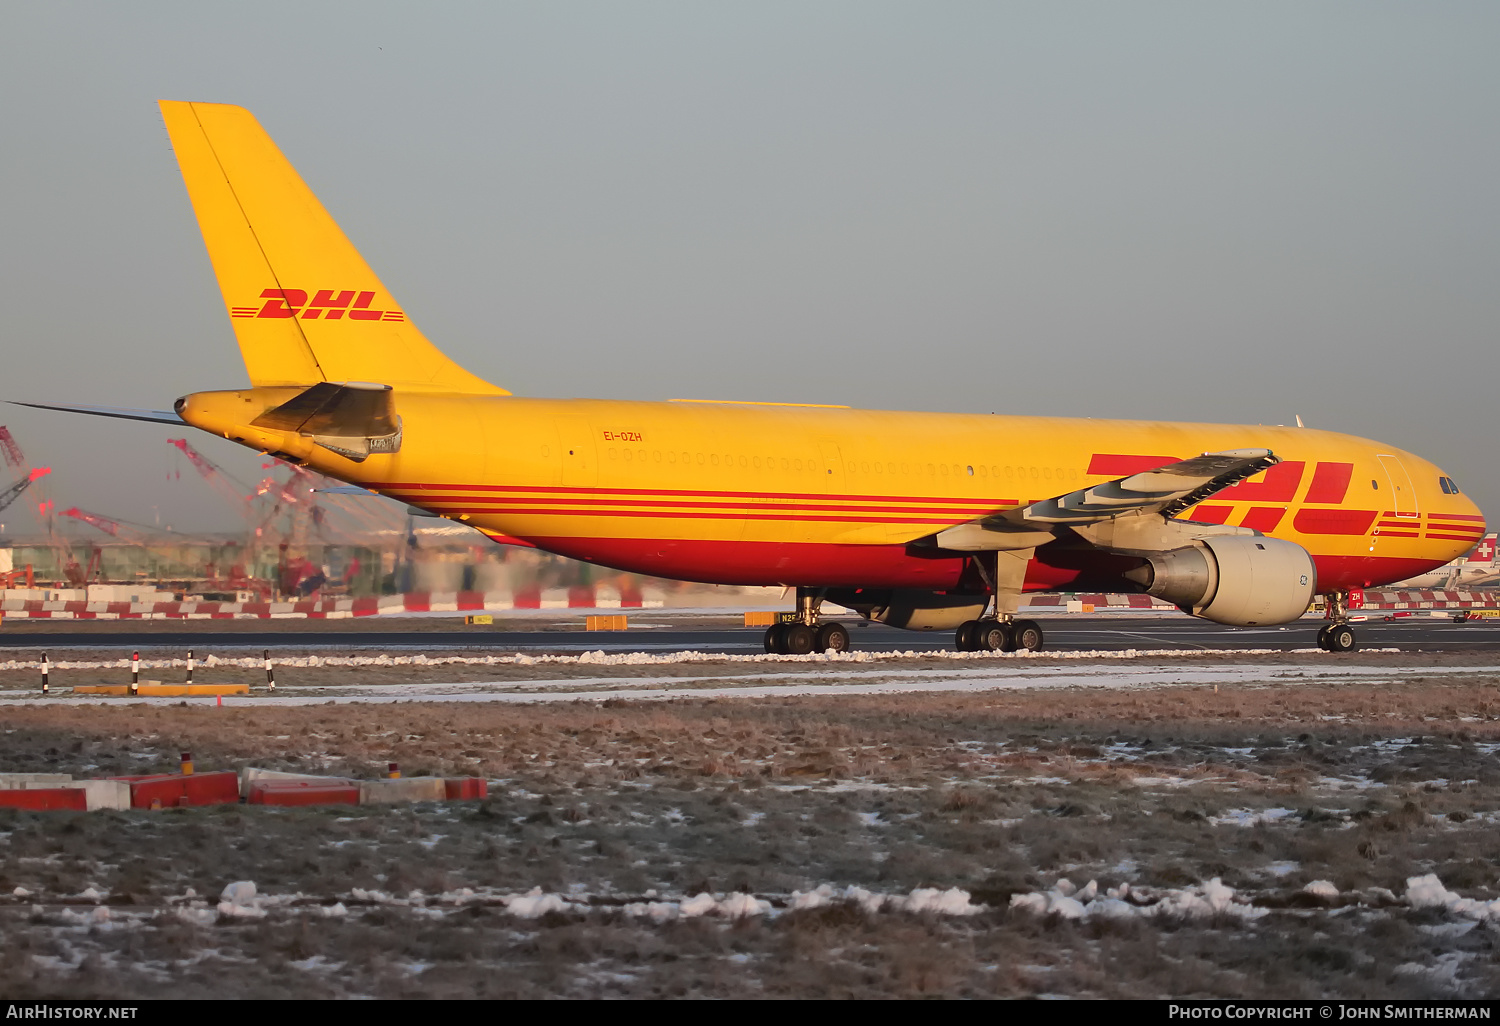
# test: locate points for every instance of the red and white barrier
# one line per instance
(329, 609)
(587, 598)
(1432, 599)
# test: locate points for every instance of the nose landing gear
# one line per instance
(1337, 635)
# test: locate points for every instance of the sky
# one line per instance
(1230, 212)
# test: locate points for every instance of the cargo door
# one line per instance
(834, 477)
(580, 467)
(1403, 495)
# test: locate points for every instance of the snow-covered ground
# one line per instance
(860, 673)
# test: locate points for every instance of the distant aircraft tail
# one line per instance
(304, 305)
(1484, 552)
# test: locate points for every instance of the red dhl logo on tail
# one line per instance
(329, 304)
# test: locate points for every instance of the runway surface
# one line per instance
(664, 633)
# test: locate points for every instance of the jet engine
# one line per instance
(1242, 580)
(912, 609)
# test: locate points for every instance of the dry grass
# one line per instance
(995, 793)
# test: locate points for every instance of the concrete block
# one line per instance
(252, 775)
(104, 794)
(41, 799)
(303, 792)
(171, 790)
(16, 781)
(466, 788)
(402, 789)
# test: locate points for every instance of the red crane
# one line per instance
(13, 493)
(13, 455)
(110, 527)
(215, 475)
(37, 496)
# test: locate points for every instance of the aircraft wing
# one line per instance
(151, 416)
(1166, 491)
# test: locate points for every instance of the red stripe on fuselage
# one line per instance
(492, 503)
(813, 564)
(690, 492)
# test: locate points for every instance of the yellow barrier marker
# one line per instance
(393, 771)
(605, 623)
(160, 690)
(479, 619)
(187, 764)
(760, 619)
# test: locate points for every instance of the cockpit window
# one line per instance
(1449, 486)
(1443, 484)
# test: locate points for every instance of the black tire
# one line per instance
(1027, 634)
(963, 638)
(832, 637)
(773, 637)
(798, 639)
(1341, 638)
(992, 636)
(1323, 636)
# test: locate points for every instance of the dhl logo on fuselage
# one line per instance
(329, 304)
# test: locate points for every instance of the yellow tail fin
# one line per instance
(304, 304)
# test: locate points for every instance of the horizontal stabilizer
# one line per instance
(353, 420)
(150, 416)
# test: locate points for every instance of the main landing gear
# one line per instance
(806, 634)
(1337, 635)
(999, 636)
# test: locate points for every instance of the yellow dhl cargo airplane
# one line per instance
(921, 520)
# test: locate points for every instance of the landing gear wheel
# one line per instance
(992, 636)
(1026, 634)
(831, 637)
(1340, 638)
(1323, 636)
(964, 638)
(774, 638)
(798, 639)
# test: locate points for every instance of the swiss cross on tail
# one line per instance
(1484, 552)
(329, 304)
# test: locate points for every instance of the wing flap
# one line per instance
(1166, 491)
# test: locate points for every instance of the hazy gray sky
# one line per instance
(1187, 211)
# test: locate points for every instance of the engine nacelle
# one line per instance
(912, 609)
(1243, 580)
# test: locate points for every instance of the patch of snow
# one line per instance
(1321, 889)
(1202, 901)
(952, 902)
(198, 916)
(239, 899)
(315, 964)
(1250, 817)
(1429, 892)
(534, 904)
